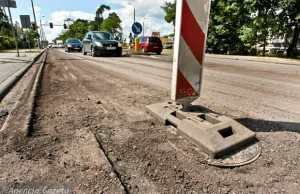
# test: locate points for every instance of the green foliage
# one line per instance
(99, 16)
(112, 24)
(80, 27)
(170, 9)
(31, 35)
(76, 30)
(8, 43)
(101, 9)
(237, 26)
(226, 26)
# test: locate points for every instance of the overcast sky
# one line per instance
(56, 11)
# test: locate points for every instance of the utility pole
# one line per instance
(13, 30)
(41, 37)
(38, 38)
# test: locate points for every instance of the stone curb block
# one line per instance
(33, 95)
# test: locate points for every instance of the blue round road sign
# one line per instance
(137, 28)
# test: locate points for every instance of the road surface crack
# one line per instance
(118, 175)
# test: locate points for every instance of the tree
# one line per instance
(76, 30)
(3, 16)
(290, 21)
(112, 24)
(265, 20)
(226, 26)
(31, 35)
(99, 16)
(238, 26)
(4, 23)
(170, 9)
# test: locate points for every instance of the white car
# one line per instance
(272, 48)
(61, 45)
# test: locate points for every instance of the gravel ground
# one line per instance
(105, 97)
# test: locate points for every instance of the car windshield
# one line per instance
(102, 36)
(143, 39)
(154, 39)
(73, 41)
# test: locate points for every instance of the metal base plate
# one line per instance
(240, 157)
(216, 135)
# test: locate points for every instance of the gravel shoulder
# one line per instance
(82, 97)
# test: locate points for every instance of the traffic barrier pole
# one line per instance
(190, 41)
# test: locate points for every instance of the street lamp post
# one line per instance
(133, 12)
(133, 15)
(41, 32)
(144, 26)
(38, 38)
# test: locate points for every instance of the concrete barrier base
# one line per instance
(216, 135)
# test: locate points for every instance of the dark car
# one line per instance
(98, 43)
(73, 44)
(150, 44)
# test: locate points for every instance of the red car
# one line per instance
(150, 44)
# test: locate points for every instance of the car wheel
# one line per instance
(67, 50)
(143, 50)
(80, 50)
(93, 52)
(119, 54)
(158, 53)
(84, 53)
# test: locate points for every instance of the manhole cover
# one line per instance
(243, 156)
(3, 113)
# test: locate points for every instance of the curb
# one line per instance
(153, 58)
(254, 60)
(10, 82)
(32, 100)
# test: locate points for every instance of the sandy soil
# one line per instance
(105, 97)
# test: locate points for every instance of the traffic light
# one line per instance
(130, 34)
(33, 26)
(65, 26)
(51, 25)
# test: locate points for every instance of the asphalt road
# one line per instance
(82, 96)
(259, 90)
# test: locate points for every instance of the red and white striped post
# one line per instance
(215, 134)
(191, 27)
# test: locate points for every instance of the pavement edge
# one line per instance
(32, 99)
(9, 83)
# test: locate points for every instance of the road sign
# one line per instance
(137, 28)
(8, 3)
(25, 21)
(191, 31)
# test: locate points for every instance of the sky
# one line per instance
(56, 11)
